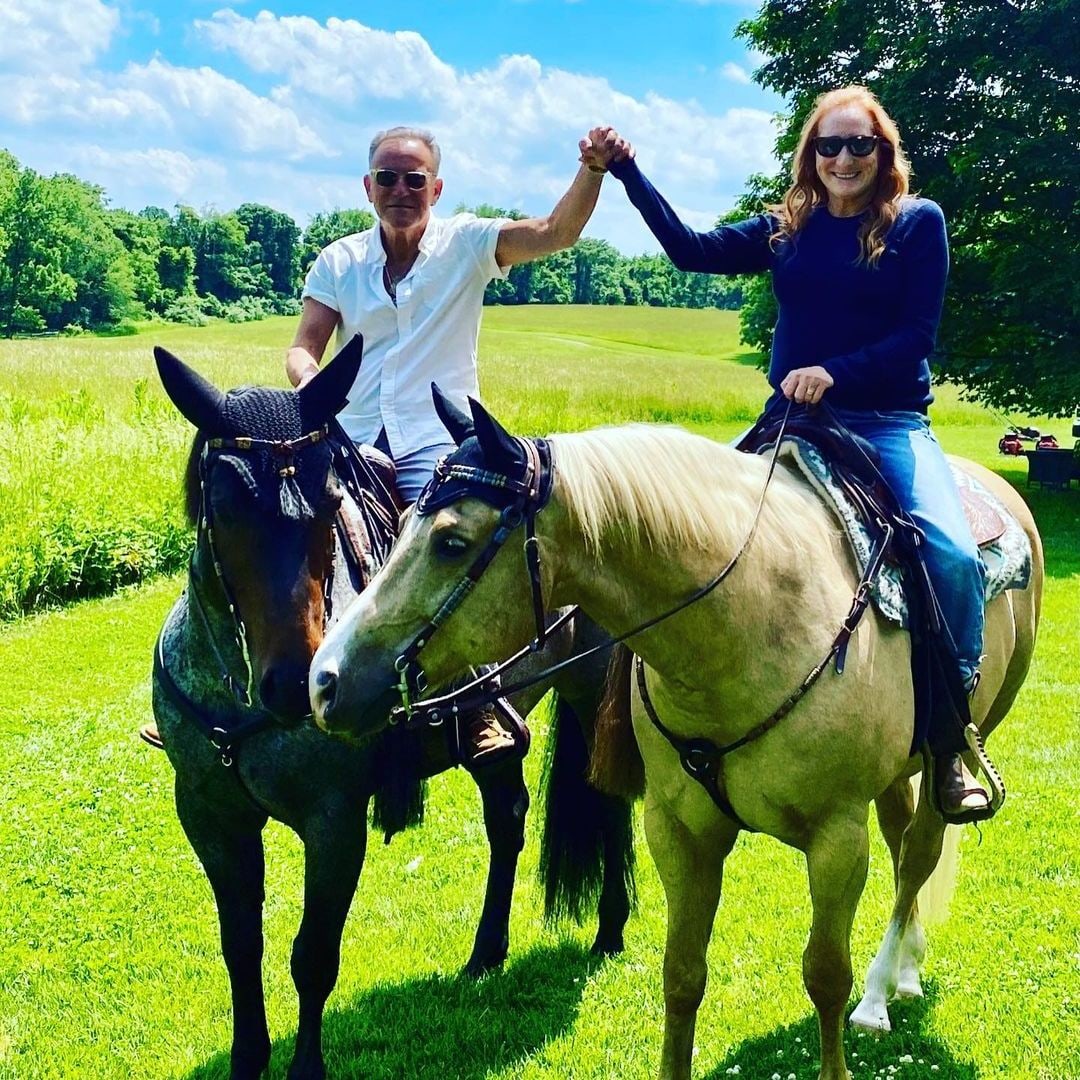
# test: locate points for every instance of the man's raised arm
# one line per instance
(522, 241)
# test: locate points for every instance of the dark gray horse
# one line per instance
(230, 695)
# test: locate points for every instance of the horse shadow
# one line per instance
(444, 1026)
(793, 1050)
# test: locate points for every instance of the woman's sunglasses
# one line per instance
(829, 146)
(387, 178)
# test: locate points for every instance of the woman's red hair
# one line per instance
(807, 191)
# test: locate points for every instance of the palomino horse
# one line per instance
(636, 520)
(230, 690)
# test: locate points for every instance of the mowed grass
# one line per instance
(109, 960)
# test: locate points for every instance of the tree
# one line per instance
(60, 262)
(272, 238)
(986, 95)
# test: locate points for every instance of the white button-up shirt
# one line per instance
(429, 335)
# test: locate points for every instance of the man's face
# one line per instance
(401, 207)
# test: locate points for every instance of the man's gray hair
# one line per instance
(422, 134)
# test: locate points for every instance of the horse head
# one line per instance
(263, 495)
(459, 545)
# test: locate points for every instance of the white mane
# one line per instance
(664, 487)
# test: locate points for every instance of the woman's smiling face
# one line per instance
(850, 181)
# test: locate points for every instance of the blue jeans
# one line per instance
(415, 468)
(915, 466)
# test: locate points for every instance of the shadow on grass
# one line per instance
(444, 1027)
(1057, 514)
(793, 1050)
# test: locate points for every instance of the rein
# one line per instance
(226, 736)
(487, 687)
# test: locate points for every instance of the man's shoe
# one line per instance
(960, 799)
(149, 734)
(486, 742)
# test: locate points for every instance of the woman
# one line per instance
(858, 268)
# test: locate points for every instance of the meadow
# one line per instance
(109, 960)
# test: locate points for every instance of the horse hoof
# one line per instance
(908, 988)
(607, 948)
(871, 1017)
(477, 967)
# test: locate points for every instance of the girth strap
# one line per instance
(701, 758)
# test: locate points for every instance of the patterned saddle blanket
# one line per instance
(1003, 544)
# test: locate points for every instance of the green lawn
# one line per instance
(109, 962)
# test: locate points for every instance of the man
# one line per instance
(413, 285)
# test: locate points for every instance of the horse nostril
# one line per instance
(324, 691)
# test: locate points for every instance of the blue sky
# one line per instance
(215, 105)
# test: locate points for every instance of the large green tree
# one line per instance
(272, 238)
(987, 97)
(60, 261)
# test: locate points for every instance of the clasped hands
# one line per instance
(603, 146)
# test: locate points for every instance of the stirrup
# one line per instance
(508, 720)
(993, 778)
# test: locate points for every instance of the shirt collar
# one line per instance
(376, 253)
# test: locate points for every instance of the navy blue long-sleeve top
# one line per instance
(871, 328)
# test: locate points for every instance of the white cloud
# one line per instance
(54, 35)
(735, 73)
(170, 172)
(509, 131)
(198, 107)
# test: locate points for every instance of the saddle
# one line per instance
(367, 521)
(843, 469)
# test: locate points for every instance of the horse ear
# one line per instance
(199, 401)
(454, 420)
(328, 393)
(497, 444)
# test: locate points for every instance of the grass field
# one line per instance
(109, 962)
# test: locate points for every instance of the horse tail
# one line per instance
(937, 891)
(588, 835)
(398, 801)
(617, 767)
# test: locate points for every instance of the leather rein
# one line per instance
(224, 734)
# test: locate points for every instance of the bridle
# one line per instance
(224, 733)
(529, 495)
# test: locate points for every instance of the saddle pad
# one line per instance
(1007, 558)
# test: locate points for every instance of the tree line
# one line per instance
(70, 262)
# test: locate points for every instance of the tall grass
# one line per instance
(90, 478)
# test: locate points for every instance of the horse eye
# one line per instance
(451, 547)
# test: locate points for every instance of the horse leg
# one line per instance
(229, 846)
(613, 909)
(506, 802)
(334, 850)
(895, 811)
(836, 860)
(894, 971)
(691, 869)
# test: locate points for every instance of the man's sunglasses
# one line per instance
(829, 146)
(387, 178)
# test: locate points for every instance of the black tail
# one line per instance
(587, 835)
(399, 800)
